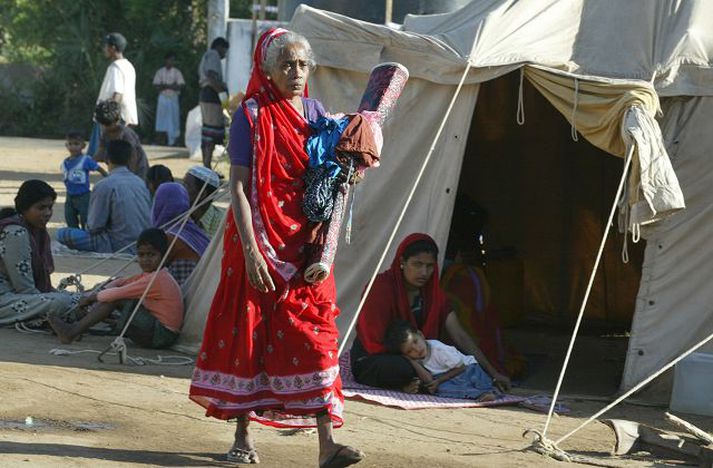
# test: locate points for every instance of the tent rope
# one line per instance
(521, 99)
(544, 446)
(627, 163)
(137, 360)
(431, 150)
(118, 344)
(638, 387)
(574, 110)
(625, 217)
(22, 327)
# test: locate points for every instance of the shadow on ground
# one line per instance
(118, 455)
(34, 349)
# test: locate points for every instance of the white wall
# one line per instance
(240, 55)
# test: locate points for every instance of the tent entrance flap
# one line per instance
(613, 114)
(547, 199)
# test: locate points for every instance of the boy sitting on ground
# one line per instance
(76, 168)
(158, 320)
(443, 370)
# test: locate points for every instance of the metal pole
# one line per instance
(388, 10)
(253, 40)
(263, 7)
(218, 11)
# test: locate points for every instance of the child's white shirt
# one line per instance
(442, 358)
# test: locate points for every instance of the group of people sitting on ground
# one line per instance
(404, 316)
(26, 263)
(105, 220)
(133, 208)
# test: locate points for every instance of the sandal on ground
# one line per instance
(344, 456)
(242, 456)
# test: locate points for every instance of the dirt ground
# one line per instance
(91, 414)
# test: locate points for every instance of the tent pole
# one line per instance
(388, 11)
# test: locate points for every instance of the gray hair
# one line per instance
(272, 54)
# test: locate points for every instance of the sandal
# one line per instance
(242, 456)
(343, 456)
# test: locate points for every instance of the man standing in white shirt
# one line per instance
(168, 80)
(119, 84)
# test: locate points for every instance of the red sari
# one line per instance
(388, 302)
(272, 355)
(468, 291)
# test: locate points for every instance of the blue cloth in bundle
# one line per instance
(320, 146)
(321, 177)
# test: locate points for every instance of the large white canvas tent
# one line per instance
(593, 61)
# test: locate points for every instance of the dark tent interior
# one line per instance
(547, 198)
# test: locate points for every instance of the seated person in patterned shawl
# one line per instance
(26, 263)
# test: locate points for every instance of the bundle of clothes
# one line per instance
(340, 151)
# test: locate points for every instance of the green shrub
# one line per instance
(63, 39)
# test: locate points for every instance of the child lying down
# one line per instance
(443, 370)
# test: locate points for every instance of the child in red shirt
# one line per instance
(158, 321)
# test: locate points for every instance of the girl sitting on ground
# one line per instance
(443, 370)
(158, 320)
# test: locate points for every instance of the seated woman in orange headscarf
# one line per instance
(410, 291)
(466, 285)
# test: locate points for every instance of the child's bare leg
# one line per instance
(68, 332)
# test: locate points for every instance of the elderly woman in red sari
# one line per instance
(269, 352)
(409, 290)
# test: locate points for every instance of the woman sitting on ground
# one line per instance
(26, 258)
(158, 319)
(409, 290)
(170, 203)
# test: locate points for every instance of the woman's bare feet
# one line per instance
(332, 454)
(339, 456)
(62, 330)
(413, 386)
(243, 450)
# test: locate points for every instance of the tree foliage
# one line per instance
(62, 39)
